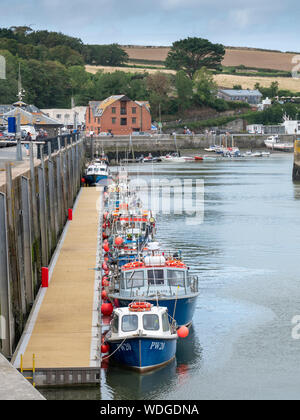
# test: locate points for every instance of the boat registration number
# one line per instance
(155, 345)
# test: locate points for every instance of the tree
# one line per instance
(105, 55)
(9, 86)
(184, 87)
(191, 54)
(205, 87)
(66, 56)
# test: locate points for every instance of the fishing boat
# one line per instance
(141, 336)
(96, 172)
(274, 143)
(129, 232)
(173, 158)
(161, 278)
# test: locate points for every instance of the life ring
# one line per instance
(139, 306)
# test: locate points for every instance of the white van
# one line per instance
(30, 129)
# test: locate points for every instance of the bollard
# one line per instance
(45, 276)
(70, 214)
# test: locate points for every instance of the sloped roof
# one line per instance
(241, 92)
(107, 102)
(31, 118)
(98, 108)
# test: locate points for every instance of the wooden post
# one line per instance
(27, 241)
(6, 335)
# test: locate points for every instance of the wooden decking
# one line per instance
(62, 333)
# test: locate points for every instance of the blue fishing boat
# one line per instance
(97, 173)
(141, 337)
(160, 278)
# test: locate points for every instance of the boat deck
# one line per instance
(59, 332)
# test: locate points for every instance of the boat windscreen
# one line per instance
(151, 322)
(134, 279)
(176, 278)
(155, 276)
(129, 323)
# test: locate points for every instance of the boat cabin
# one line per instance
(156, 275)
(153, 320)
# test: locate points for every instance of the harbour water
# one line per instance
(246, 255)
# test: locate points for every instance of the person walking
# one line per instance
(28, 138)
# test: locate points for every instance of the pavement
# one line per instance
(13, 386)
(8, 154)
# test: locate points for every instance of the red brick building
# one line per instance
(118, 115)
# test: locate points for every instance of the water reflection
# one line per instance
(126, 384)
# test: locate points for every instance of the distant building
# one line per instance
(118, 115)
(252, 97)
(291, 126)
(31, 116)
(71, 118)
(255, 129)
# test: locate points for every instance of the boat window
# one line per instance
(115, 324)
(176, 277)
(135, 279)
(155, 276)
(165, 322)
(129, 323)
(150, 322)
(122, 282)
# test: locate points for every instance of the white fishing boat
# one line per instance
(141, 336)
(173, 158)
(274, 143)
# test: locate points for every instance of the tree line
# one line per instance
(52, 69)
(44, 45)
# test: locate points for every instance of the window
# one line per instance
(135, 279)
(151, 322)
(58, 116)
(176, 277)
(129, 323)
(165, 322)
(115, 324)
(113, 110)
(123, 111)
(134, 120)
(113, 120)
(134, 110)
(155, 276)
(123, 121)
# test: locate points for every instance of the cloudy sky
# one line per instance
(270, 24)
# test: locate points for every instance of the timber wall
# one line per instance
(34, 201)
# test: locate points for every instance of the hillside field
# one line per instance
(233, 57)
(223, 80)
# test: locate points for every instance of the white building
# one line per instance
(255, 129)
(70, 118)
(291, 126)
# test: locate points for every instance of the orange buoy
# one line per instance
(106, 247)
(107, 309)
(183, 332)
(104, 294)
(104, 266)
(104, 348)
(105, 283)
(119, 241)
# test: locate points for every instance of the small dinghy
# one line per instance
(141, 336)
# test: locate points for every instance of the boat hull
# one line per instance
(184, 308)
(95, 179)
(143, 353)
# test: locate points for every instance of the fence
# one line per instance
(33, 211)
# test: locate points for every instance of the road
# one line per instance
(8, 154)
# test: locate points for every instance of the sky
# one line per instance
(272, 24)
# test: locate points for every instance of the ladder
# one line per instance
(32, 378)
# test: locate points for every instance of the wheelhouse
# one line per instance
(164, 277)
(153, 321)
